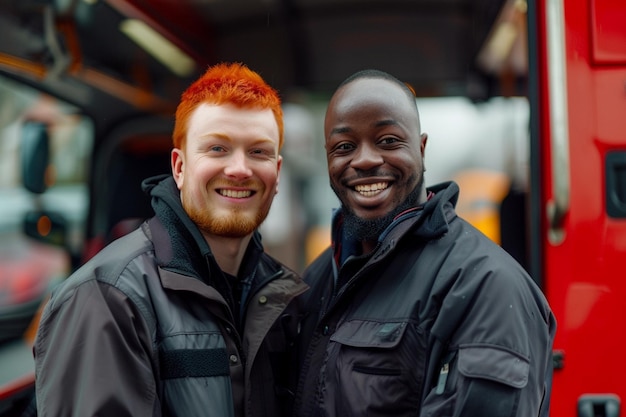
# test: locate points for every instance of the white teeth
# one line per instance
(371, 189)
(236, 194)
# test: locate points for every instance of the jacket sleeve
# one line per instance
(92, 356)
(497, 360)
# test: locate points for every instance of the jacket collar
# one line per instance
(427, 222)
(182, 246)
(181, 249)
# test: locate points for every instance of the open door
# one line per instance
(578, 120)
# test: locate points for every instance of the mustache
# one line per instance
(221, 183)
(359, 174)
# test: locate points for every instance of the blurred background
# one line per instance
(88, 89)
(523, 102)
(97, 73)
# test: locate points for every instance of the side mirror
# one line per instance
(35, 153)
(47, 227)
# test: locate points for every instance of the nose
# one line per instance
(366, 157)
(238, 166)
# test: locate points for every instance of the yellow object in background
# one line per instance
(482, 192)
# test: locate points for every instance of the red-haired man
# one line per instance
(187, 315)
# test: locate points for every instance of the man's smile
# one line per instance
(369, 190)
(234, 193)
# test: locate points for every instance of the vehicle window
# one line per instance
(28, 267)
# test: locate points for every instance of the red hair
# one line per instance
(227, 83)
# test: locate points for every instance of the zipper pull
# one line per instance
(443, 378)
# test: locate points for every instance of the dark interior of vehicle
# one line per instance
(441, 47)
(119, 204)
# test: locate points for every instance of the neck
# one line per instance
(228, 251)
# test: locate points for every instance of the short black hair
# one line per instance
(375, 73)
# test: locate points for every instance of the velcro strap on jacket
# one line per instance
(194, 363)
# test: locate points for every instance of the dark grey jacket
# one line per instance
(438, 321)
(147, 328)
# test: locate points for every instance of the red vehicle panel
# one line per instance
(583, 147)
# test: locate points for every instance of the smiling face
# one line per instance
(228, 169)
(374, 148)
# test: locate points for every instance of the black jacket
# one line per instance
(148, 328)
(437, 321)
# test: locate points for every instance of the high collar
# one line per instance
(189, 253)
(428, 221)
(188, 247)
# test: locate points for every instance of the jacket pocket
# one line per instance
(494, 364)
(370, 334)
(376, 367)
(478, 380)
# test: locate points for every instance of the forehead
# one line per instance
(209, 118)
(367, 98)
(239, 125)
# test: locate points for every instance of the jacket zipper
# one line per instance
(348, 286)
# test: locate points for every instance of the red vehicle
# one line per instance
(105, 87)
(578, 102)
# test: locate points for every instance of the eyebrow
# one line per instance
(339, 130)
(228, 138)
(380, 123)
(387, 122)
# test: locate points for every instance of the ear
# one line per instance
(423, 140)
(178, 166)
(278, 166)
